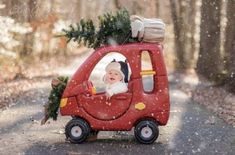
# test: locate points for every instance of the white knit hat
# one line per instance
(115, 66)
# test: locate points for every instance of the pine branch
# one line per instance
(113, 29)
(52, 106)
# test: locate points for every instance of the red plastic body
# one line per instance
(121, 112)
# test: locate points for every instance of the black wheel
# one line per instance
(77, 130)
(146, 131)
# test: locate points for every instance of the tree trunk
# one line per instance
(177, 32)
(157, 5)
(230, 44)
(137, 8)
(117, 4)
(209, 62)
(184, 29)
(192, 29)
(7, 9)
(29, 38)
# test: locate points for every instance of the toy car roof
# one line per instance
(136, 45)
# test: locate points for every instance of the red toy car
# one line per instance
(144, 111)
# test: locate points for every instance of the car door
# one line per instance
(100, 108)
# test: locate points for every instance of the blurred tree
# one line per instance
(145, 8)
(183, 15)
(23, 11)
(192, 29)
(6, 7)
(42, 25)
(230, 44)
(11, 37)
(209, 62)
(117, 4)
(29, 38)
(157, 4)
(136, 8)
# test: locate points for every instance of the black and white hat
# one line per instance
(119, 66)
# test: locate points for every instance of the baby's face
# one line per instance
(113, 76)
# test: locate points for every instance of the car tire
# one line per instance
(146, 131)
(77, 130)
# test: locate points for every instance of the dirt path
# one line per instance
(191, 128)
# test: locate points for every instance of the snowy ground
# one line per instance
(191, 128)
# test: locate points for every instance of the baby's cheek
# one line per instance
(106, 78)
(119, 78)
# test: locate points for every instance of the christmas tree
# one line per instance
(112, 29)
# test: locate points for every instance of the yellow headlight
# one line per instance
(140, 106)
(63, 102)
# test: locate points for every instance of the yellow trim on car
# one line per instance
(147, 72)
(63, 102)
(140, 106)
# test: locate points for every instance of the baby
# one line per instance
(115, 78)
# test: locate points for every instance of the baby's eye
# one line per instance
(116, 74)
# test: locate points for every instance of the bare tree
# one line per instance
(29, 38)
(5, 11)
(192, 29)
(230, 44)
(183, 16)
(117, 4)
(157, 4)
(209, 62)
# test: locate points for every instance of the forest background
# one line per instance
(200, 34)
